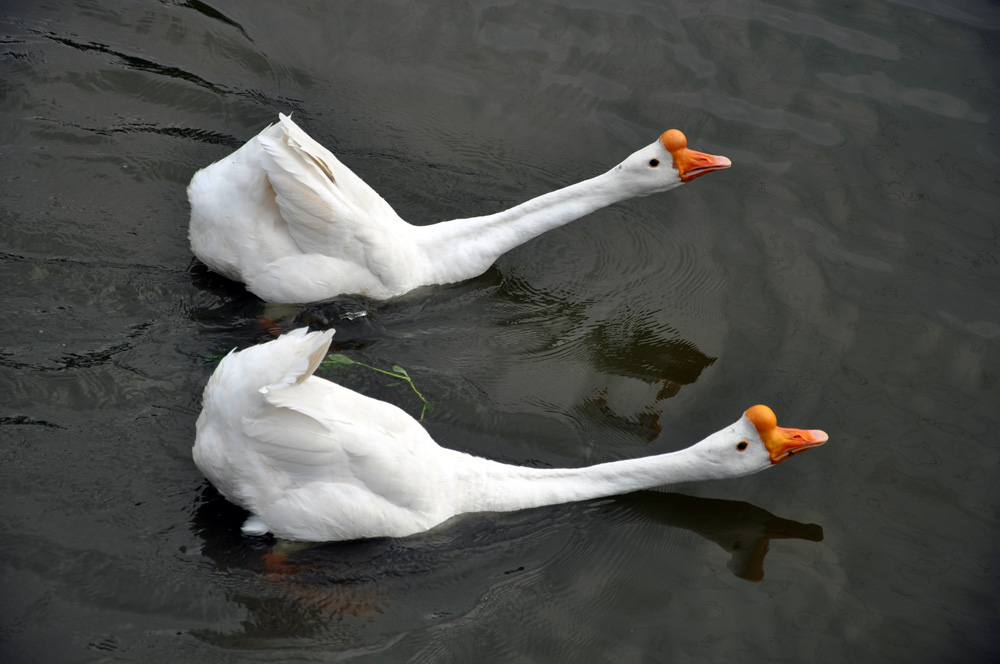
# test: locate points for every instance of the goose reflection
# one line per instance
(343, 588)
(743, 530)
(620, 341)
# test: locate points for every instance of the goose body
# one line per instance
(315, 461)
(286, 218)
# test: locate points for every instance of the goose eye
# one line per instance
(742, 445)
(654, 162)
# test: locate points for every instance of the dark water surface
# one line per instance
(844, 271)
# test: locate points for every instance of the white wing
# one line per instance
(318, 431)
(329, 209)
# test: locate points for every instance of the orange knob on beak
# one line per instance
(782, 443)
(690, 163)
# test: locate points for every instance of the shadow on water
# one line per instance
(295, 589)
(741, 529)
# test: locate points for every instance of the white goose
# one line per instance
(286, 218)
(315, 461)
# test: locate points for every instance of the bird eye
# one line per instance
(742, 445)
(654, 162)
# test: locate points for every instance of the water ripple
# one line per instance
(881, 88)
(809, 24)
(739, 110)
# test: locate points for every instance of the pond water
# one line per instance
(844, 272)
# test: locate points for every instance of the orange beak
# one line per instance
(782, 443)
(690, 163)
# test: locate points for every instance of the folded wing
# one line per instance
(317, 431)
(329, 210)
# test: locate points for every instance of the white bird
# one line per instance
(286, 218)
(314, 461)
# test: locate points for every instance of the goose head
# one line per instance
(753, 443)
(667, 163)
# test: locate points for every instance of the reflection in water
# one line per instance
(742, 529)
(599, 355)
(310, 588)
(634, 345)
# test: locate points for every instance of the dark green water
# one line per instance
(844, 271)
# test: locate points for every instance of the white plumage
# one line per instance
(315, 461)
(286, 218)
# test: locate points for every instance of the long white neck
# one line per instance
(471, 245)
(489, 486)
